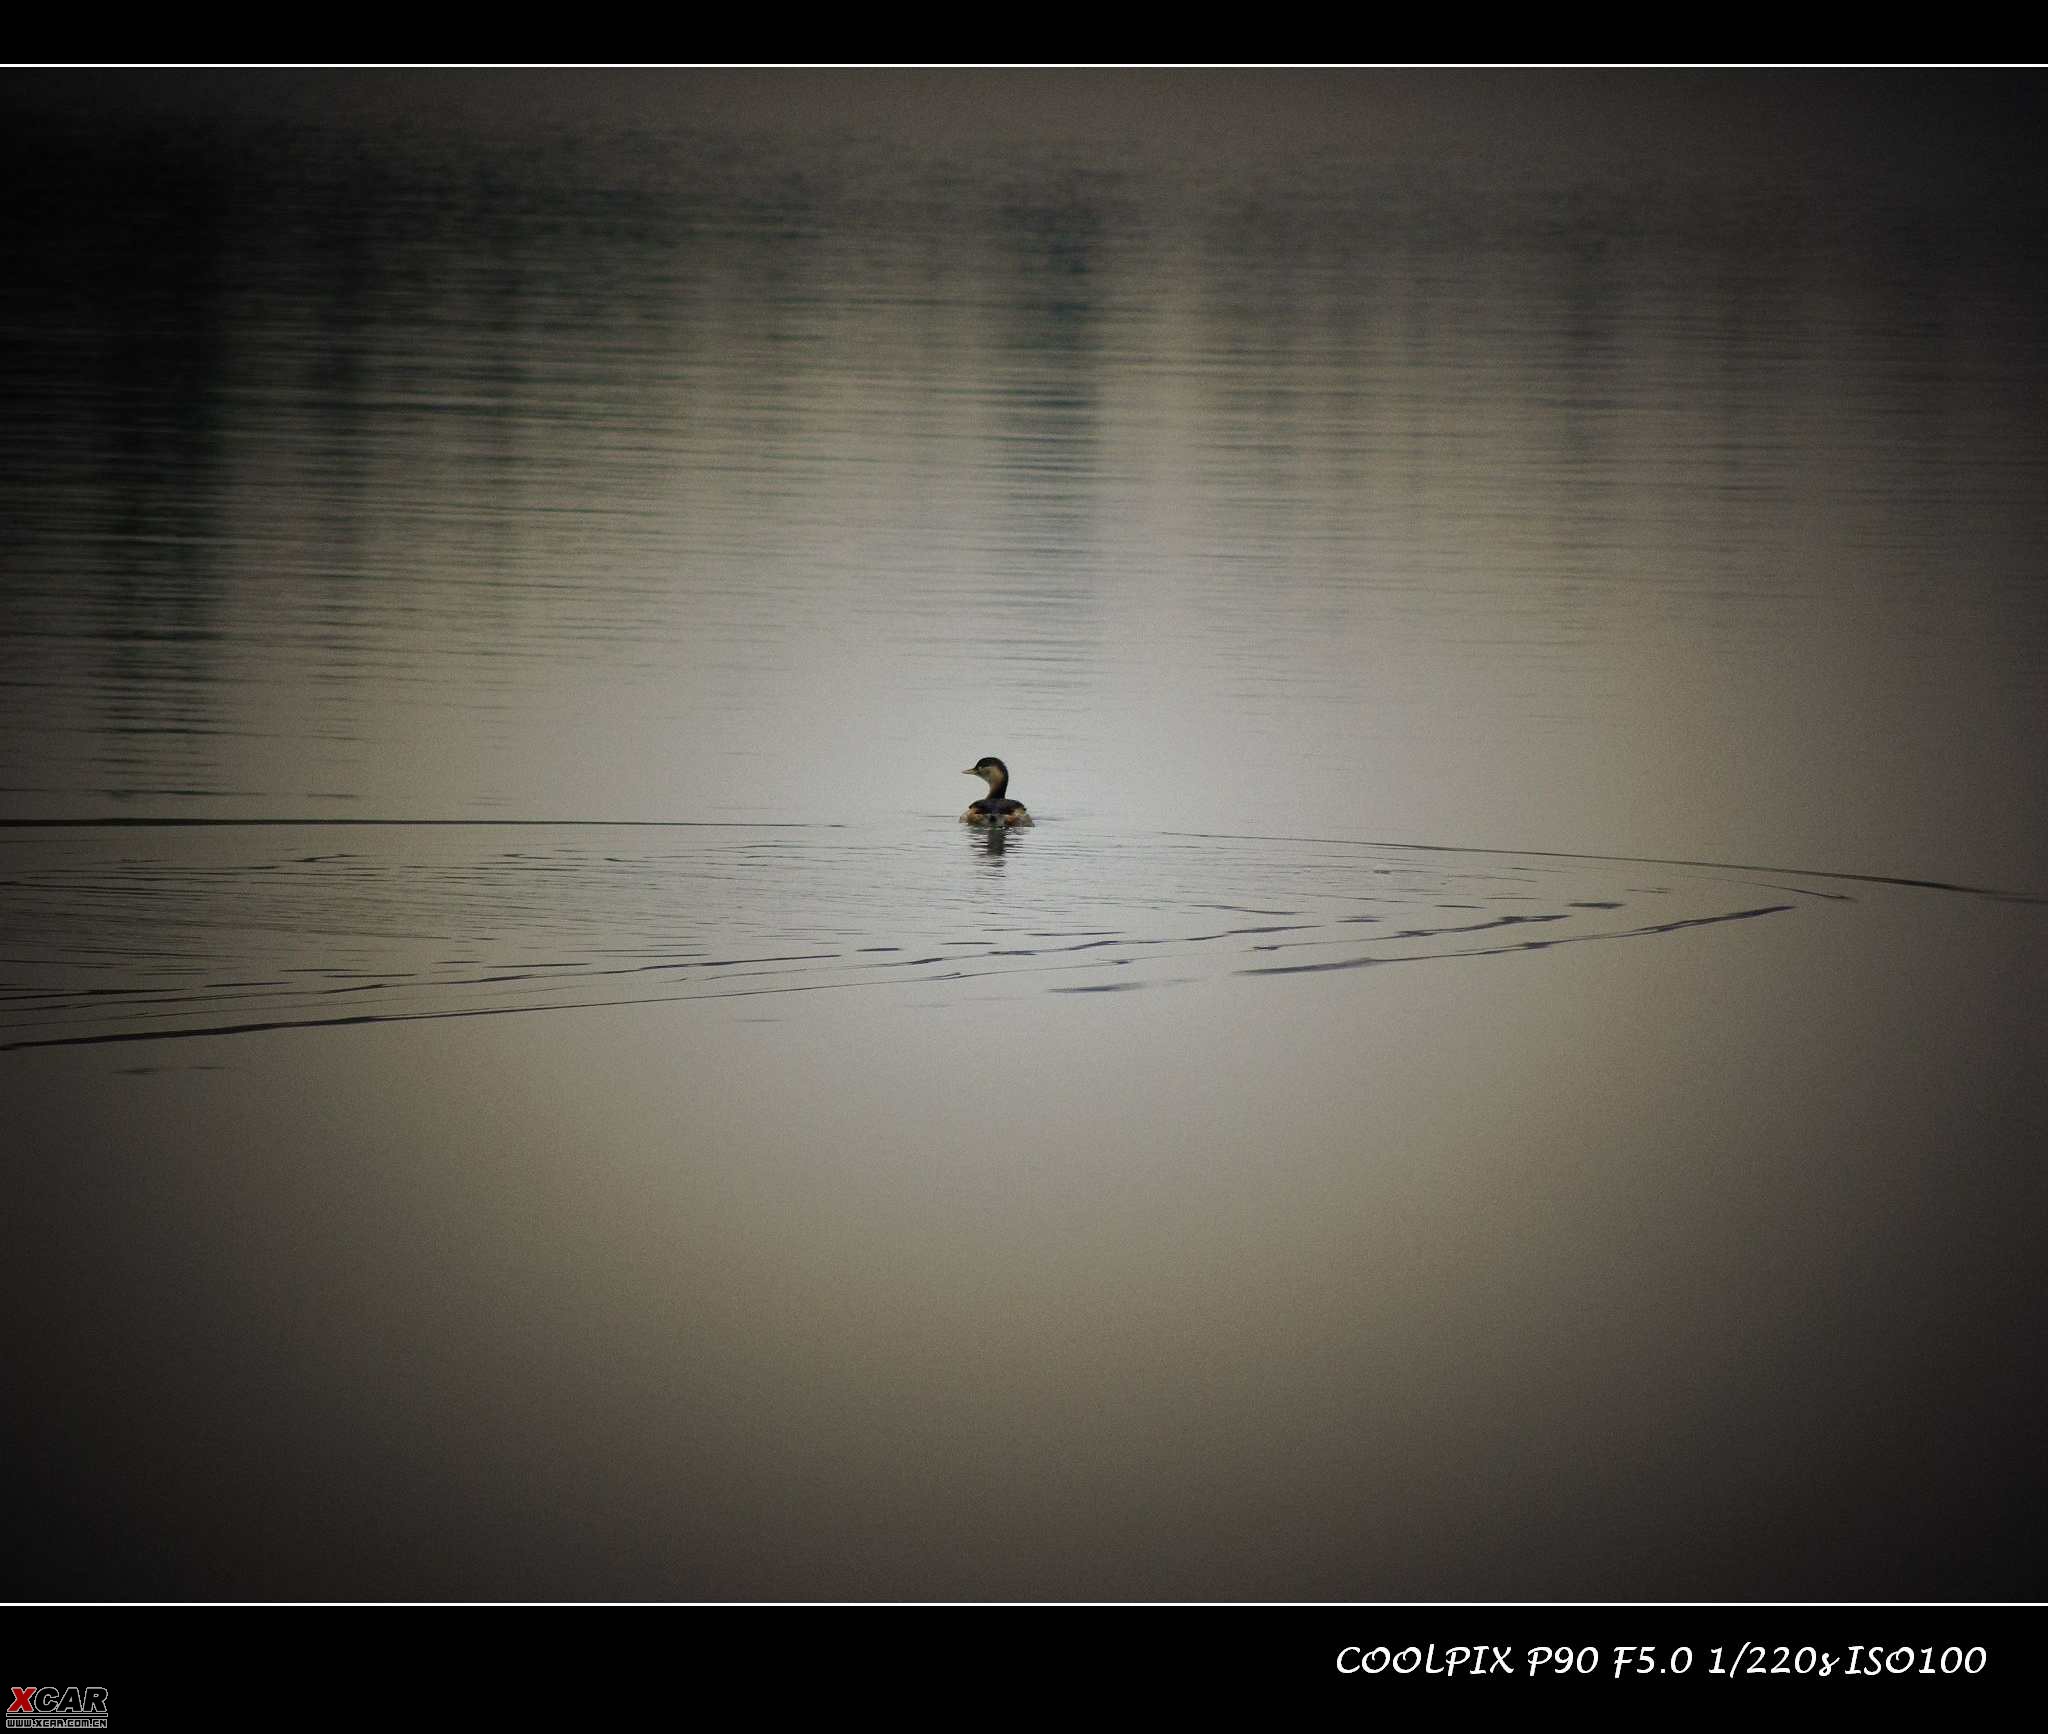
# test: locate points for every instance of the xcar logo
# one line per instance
(57, 1707)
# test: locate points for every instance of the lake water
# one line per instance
(524, 1088)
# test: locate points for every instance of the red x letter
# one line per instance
(24, 1700)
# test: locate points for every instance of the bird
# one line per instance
(997, 808)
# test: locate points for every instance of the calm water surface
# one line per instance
(475, 547)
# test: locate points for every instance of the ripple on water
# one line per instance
(222, 930)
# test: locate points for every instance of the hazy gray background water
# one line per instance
(1280, 471)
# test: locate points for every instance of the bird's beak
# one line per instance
(970, 772)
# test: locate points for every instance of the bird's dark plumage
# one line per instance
(996, 808)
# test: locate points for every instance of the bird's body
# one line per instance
(996, 808)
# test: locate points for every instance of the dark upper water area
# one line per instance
(1634, 463)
